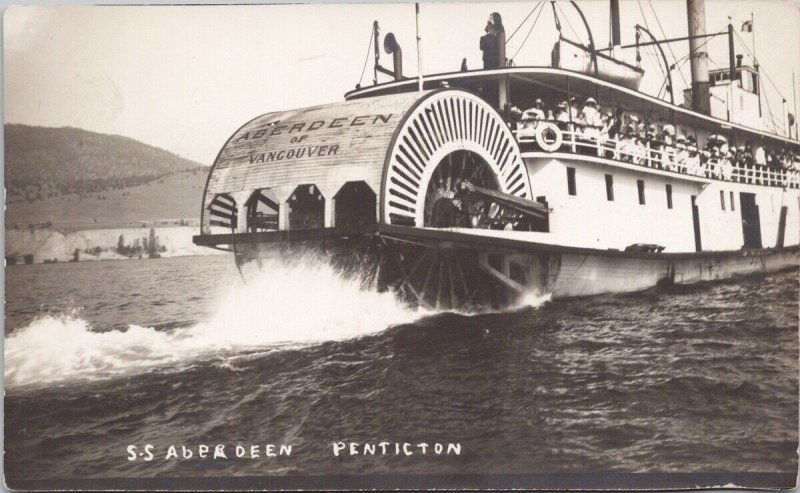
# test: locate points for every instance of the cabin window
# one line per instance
(306, 208)
(669, 196)
(722, 199)
(640, 185)
(262, 211)
(571, 181)
(610, 188)
(354, 205)
(733, 204)
(222, 212)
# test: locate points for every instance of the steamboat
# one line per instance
(478, 187)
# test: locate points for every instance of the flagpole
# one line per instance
(753, 35)
(794, 96)
(419, 51)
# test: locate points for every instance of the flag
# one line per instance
(747, 26)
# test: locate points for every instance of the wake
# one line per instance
(284, 304)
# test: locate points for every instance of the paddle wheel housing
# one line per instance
(344, 173)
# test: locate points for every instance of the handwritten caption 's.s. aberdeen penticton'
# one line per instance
(220, 451)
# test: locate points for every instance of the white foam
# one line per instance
(533, 299)
(283, 303)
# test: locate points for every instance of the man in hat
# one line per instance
(488, 46)
(535, 113)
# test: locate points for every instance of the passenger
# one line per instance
(760, 156)
(693, 165)
(562, 116)
(488, 46)
(537, 112)
(531, 118)
(681, 154)
(611, 133)
(590, 117)
(515, 118)
(668, 131)
(574, 109)
(726, 164)
(626, 145)
(653, 145)
(748, 162)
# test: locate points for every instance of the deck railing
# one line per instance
(667, 157)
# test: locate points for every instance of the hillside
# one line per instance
(43, 162)
(69, 179)
(166, 199)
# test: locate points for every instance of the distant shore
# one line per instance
(50, 245)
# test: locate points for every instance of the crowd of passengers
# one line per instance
(622, 136)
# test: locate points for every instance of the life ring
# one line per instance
(549, 137)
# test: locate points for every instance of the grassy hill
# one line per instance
(44, 162)
(76, 179)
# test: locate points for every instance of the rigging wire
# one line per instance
(760, 70)
(569, 24)
(644, 18)
(366, 59)
(523, 21)
(775, 86)
(669, 45)
(529, 33)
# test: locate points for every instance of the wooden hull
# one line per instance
(448, 269)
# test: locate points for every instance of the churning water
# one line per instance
(182, 351)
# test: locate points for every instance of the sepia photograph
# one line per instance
(545, 245)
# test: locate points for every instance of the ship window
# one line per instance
(222, 212)
(354, 205)
(610, 187)
(571, 181)
(733, 204)
(306, 208)
(669, 196)
(722, 199)
(262, 211)
(640, 185)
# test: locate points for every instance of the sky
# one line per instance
(184, 78)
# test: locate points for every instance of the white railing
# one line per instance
(667, 157)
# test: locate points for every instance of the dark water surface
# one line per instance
(178, 351)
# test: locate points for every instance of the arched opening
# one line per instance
(444, 204)
(222, 212)
(262, 211)
(306, 208)
(355, 205)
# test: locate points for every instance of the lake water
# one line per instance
(181, 351)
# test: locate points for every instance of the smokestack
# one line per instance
(695, 10)
(616, 39)
(392, 47)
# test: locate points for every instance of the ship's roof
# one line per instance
(579, 84)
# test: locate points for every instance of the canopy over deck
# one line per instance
(561, 82)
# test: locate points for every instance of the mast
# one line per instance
(616, 39)
(695, 10)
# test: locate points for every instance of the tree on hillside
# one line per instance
(152, 245)
(121, 248)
